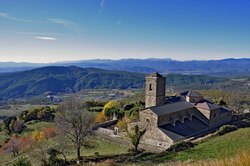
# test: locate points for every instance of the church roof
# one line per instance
(207, 105)
(155, 74)
(193, 93)
(171, 107)
(188, 128)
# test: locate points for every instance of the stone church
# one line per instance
(169, 119)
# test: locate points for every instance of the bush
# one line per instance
(226, 129)
(180, 146)
(22, 161)
(122, 124)
(245, 123)
(128, 107)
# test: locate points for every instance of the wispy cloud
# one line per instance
(102, 3)
(45, 38)
(7, 16)
(66, 23)
(101, 6)
(33, 33)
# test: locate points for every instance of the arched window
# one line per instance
(150, 87)
(147, 120)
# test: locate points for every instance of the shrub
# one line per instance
(122, 124)
(180, 146)
(49, 132)
(22, 161)
(101, 117)
(226, 129)
(128, 107)
(245, 123)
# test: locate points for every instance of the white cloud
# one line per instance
(45, 38)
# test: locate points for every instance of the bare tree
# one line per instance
(74, 122)
(18, 126)
(13, 145)
(237, 103)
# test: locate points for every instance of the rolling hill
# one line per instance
(224, 67)
(65, 80)
(59, 79)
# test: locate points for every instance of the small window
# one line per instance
(147, 120)
(150, 87)
(214, 114)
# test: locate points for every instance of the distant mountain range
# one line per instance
(225, 67)
(57, 79)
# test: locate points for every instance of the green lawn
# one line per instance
(215, 148)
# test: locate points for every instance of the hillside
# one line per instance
(224, 67)
(65, 80)
(220, 147)
(58, 79)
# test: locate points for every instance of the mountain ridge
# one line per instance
(60, 79)
(208, 67)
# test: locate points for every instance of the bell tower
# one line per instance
(155, 90)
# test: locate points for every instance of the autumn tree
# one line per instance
(49, 132)
(101, 117)
(74, 122)
(41, 145)
(13, 145)
(26, 142)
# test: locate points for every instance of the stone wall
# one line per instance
(217, 118)
(148, 119)
(105, 124)
(154, 91)
(156, 137)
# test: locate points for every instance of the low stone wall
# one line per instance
(105, 131)
(105, 124)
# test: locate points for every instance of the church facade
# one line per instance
(169, 119)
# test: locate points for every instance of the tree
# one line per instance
(26, 142)
(101, 117)
(13, 145)
(38, 136)
(74, 122)
(107, 109)
(237, 102)
(136, 137)
(49, 132)
(18, 126)
(41, 145)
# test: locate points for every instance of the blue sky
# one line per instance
(62, 30)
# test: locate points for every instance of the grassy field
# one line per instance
(217, 148)
(220, 147)
(17, 109)
(103, 147)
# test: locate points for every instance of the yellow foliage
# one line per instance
(122, 124)
(38, 136)
(109, 105)
(101, 117)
